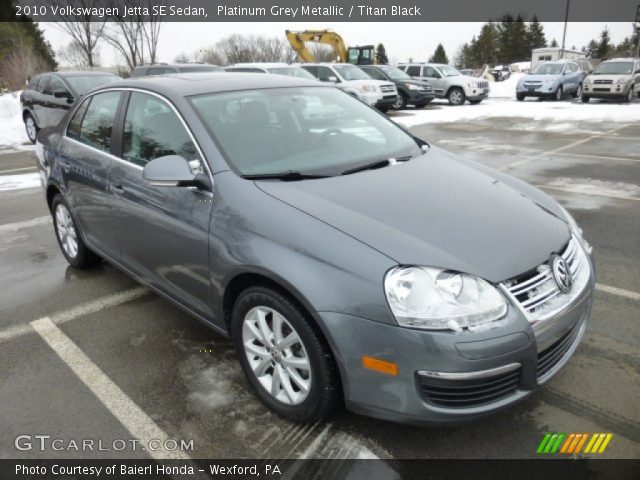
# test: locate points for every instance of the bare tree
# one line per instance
(210, 55)
(75, 56)
(182, 57)
(20, 65)
(151, 30)
(322, 52)
(85, 30)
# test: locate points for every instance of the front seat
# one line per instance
(257, 142)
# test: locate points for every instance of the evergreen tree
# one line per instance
(535, 32)
(381, 55)
(439, 56)
(604, 45)
(553, 43)
(592, 49)
(484, 50)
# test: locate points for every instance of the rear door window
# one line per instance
(73, 129)
(97, 125)
(44, 85)
(413, 70)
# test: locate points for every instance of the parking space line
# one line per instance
(618, 291)
(560, 149)
(599, 157)
(7, 227)
(588, 194)
(18, 169)
(78, 311)
(128, 413)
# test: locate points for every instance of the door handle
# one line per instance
(117, 188)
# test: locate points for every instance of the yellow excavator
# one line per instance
(364, 55)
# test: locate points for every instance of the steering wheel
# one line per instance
(326, 134)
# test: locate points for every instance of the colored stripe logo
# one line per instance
(573, 443)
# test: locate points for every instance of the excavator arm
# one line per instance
(298, 41)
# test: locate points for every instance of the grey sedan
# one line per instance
(350, 262)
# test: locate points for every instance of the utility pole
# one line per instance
(564, 33)
(637, 30)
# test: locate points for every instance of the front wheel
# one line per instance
(456, 96)
(71, 243)
(520, 97)
(31, 127)
(628, 98)
(285, 357)
(401, 102)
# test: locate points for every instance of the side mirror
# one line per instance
(173, 171)
(332, 79)
(63, 94)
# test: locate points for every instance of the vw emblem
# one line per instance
(562, 274)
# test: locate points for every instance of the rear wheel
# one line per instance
(559, 93)
(31, 127)
(456, 96)
(69, 238)
(285, 358)
(401, 102)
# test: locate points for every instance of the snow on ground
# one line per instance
(12, 133)
(506, 89)
(19, 182)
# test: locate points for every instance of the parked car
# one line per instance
(501, 72)
(468, 72)
(552, 80)
(410, 92)
(617, 78)
(356, 82)
(449, 83)
(275, 68)
(48, 96)
(349, 261)
(151, 69)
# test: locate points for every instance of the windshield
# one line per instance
(614, 68)
(350, 72)
(395, 73)
(311, 130)
(548, 69)
(292, 72)
(448, 71)
(82, 84)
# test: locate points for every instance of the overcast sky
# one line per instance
(402, 40)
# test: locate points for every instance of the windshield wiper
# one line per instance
(368, 166)
(286, 175)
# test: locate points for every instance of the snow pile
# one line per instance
(19, 182)
(507, 88)
(561, 112)
(12, 132)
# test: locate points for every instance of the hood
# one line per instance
(421, 83)
(610, 76)
(437, 211)
(368, 81)
(540, 78)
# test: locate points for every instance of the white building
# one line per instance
(549, 54)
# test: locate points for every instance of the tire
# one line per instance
(559, 94)
(578, 92)
(456, 96)
(68, 235)
(475, 102)
(31, 127)
(628, 98)
(323, 394)
(585, 98)
(520, 97)
(401, 102)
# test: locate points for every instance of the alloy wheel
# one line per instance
(630, 95)
(456, 97)
(30, 125)
(559, 93)
(66, 231)
(276, 355)
(579, 91)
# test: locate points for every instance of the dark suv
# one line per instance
(164, 68)
(415, 92)
(48, 96)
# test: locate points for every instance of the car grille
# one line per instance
(468, 393)
(603, 82)
(532, 84)
(601, 89)
(551, 356)
(387, 89)
(483, 84)
(537, 293)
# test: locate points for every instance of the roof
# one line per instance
(71, 73)
(621, 59)
(262, 65)
(187, 84)
(556, 49)
(194, 64)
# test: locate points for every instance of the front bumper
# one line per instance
(544, 90)
(427, 359)
(418, 96)
(386, 102)
(370, 98)
(606, 91)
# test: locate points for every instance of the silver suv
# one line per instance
(616, 78)
(449, 83)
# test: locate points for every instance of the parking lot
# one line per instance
(92, 354)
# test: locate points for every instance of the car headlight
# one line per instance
(550, 80)
(622, 80)
(473, 84)
(435, 299)
(411, 86)
(576, 231)
(368, 88)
